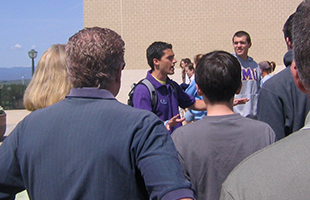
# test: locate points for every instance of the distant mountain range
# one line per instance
(15, 73)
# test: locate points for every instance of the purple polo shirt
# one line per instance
(168, 99)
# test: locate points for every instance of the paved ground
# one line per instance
(12, 119)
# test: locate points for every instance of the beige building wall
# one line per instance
(192, 27)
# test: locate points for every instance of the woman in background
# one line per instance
(266, 68)
(185, 78)
(193, 115)
(49, 83)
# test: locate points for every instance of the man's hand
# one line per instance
(240, 101)
(173, 121)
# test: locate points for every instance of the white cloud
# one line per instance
(16, 46)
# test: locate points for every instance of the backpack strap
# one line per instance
(153, 93)
(173, 86)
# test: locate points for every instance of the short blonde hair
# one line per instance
(49, 83)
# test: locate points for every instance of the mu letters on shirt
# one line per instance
(249, 74)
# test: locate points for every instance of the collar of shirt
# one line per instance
(307, 122)
(90, 92)
(249, 59)
(155, 82)
(161, 82)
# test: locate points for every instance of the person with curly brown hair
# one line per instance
(89, 145)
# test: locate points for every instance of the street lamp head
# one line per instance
(32, 53)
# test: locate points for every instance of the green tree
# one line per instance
(11, 96)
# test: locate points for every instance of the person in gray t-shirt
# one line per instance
(210, 148)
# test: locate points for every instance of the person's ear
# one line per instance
(239, 89)
(250, 44)
(296, 78)
(289, 43)
(115, 86)
(199, 92)
(156, 62)
(119, 75)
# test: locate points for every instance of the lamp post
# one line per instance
(32, 54)
(1, 87)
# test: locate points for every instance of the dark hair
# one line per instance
(301, 35)
(190, 66)
(240, 34)
(156, 50)
(94, 56)
(218, 75)
(287, 28)
(186, 61)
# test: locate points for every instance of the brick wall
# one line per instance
(191, 26)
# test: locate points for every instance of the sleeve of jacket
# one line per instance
(270, 109)
(158, 162)
(11, 181)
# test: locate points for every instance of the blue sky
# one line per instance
(35, 24)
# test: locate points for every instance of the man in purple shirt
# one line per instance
(161, 59)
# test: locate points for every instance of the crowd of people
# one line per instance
(79, 142)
